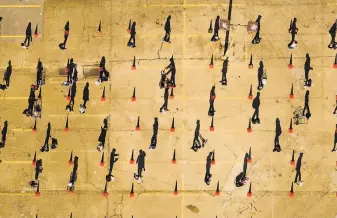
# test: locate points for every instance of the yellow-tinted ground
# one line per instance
(270, 173)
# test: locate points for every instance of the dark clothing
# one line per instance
(47, 136)
(7, 75)
(256, 102)
(155, 127)
(216, 29)
(28, 35)
(259, 76)
(306, 104)
(4, 133)
(112, 160)
(133, 35)
(166, 95)
(298, 169)
(173, 75)
(85, 95)
(224, 72)
(167, 29)
(307, 68)
(141, 163)
(73, 91)
(102, 136)
(332, 32)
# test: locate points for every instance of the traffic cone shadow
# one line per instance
(291, 126)
(172, 95)
(129, 28)
(335, 63)
(213, 158)
(37, 193)
(132, 193)
(100, 27)
(103, 95)
(210, 29)
(36, 34)
(291, 193)
(250, 160)
(68, 96)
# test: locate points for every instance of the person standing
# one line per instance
(155, 134)
(140, 166)
(257, 38)
(132, 36)
(215, 36)
(307, 68)
(306, 105)
(278, 132)
(62, 46)
(113, 160)
(101, 138)
(259, 75)
(8, 74)
(166, 95)
(45, 147)
(211, 102)
(85, 95)
(72, 96)
(172, 70)
(293, 30)
(223, 80)
(332, 32)
(29, 37)
(196, 142)
(256, 106)
(298, 179)
(208, 174)
(70, 67)
(167, 29)
(39, 70)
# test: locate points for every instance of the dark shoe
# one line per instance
(254, 121)
(258, 120)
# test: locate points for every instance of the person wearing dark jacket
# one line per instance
(259, 76)
(306, 105)
(215, 36)
(39, 70)
(66, 34)
(31, 101)
(167, 29)
(335, 140)
(166, 95)
(298, 179)
(113, 160)
(223, 80)
(8, 74)
(307, 68)
(256, 106)
(332, 32)
(45, 147)
(4, 133)
(101, 138)
(172, 70)
(196, 142)
(72, 96)
(257, 38)
(71, 68)
(211, 102)
(155, 134)
(141, 165)
(85, 95)
(293, 30)
(132, 36)
(208, 174)
(278, 132)
(28, 38)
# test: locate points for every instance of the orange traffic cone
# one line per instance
(211, 128)
(291, 194)
(133, 67)
(290, 65)
(172, 126)
(250, 65)
(132, 160)
(211, 65)
(335, 63)
(217, 192)
(133, 98)
(291, 96)
(105, 192)
(66, 128)
(250, 95)
(172, 95)
(213, 158)
(102, 160)
(174, 161)
(68, 96)
(138, 127)
(249, 193)
(291, 126)
(129, 28)
(70, 161)
(176, 188)
(34, 127)
(249, 129)
(250, 155)
(36, 33)
(132, 194)
(103, 94)
(34, 159)
(37, 193)
(292, 161)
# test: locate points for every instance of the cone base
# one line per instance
(68, 98)
(334, 65)
(174, 161)
(291, 194)
(249, 130)
(175, 193)
(34, 130)
(172, 129)
(131, 195)
(249, 160)
(37, 194)
(70, 163)
(105, 194)
(217, 193)
(66, 129)
(249, 194)
(131, 161)
(34, 163)
(250, 97)
(291, 96)
(128, 30)
(70, 192)
(292, 162)
(36, 35)
(103, 99)
(101, 164)
(171, 97)
(137, 128)
(213, 97)
(213, 162)
(133, 67)
(250, 66)
(290, 130)
(290, 66)
(211, 66)
(211, 128)
(133, 99)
